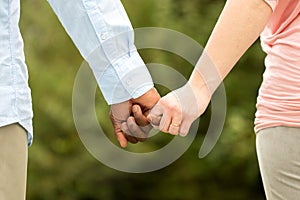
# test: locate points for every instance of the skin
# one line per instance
(238, 26)
(126, 115)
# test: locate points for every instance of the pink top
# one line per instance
(278, 103)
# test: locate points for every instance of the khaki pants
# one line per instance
(278, 151)
(13, 162)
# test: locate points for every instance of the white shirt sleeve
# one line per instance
(104, 36)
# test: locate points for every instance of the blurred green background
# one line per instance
(61, 168)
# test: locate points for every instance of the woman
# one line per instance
(277, 122)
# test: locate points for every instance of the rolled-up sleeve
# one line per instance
(102, 32)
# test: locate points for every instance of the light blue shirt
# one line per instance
(15, 102)
(104, 36)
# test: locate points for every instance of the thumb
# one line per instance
(155, 116)
(139, 117)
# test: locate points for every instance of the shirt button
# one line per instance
(129, 81)
(103, 37)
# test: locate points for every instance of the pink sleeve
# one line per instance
(272, 3)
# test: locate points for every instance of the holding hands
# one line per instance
(129, 118)
(173, 113)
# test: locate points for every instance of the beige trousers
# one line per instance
(278, 151)
(13, 162)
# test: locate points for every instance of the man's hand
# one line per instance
(129, 115)
(119, 114)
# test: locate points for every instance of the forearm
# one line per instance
(103, 34)
(239, 25)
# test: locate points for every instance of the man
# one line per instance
(103, 34)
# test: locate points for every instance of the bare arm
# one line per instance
(239, 25)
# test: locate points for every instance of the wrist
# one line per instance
(147, 100)
(200, 89)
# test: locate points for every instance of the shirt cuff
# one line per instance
(126, 78)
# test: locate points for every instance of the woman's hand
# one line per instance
(175, 112)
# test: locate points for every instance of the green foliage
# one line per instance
(60, 168)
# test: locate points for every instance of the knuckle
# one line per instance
(177, 109)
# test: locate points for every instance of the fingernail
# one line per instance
(123, 144)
